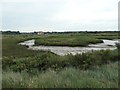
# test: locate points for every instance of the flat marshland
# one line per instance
(74, 39)
(24, 68)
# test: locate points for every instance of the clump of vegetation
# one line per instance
(49, 60)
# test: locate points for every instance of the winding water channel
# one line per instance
(64, 50)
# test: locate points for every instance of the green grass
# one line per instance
(10, 47)
(105, 76)
(18, 58)
(23, 68)
(74, 39)
(47, 60)
(66, 40)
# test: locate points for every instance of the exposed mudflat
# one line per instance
(64, 50)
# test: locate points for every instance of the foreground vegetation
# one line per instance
(24, 68)
(105, 76)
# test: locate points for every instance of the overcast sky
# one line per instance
(59, 15)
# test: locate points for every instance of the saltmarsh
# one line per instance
(79, 39)
(39, 69)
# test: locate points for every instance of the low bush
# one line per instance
(48, 60)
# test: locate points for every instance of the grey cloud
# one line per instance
(41, 14)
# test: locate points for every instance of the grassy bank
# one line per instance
(72, 39)
(68, 40)
(11, 49)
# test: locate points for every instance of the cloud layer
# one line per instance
(59, 15)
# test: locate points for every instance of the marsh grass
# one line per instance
(24, 68)
(10, 47)
(18, 58)
(105, 76)
(78, 39)
(67, 40)
(48, 60)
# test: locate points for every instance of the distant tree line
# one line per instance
(10, 32)
(66, 32)
(83, 32)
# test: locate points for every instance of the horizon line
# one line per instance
(60, 31)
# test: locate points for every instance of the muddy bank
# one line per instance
(64, 50)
